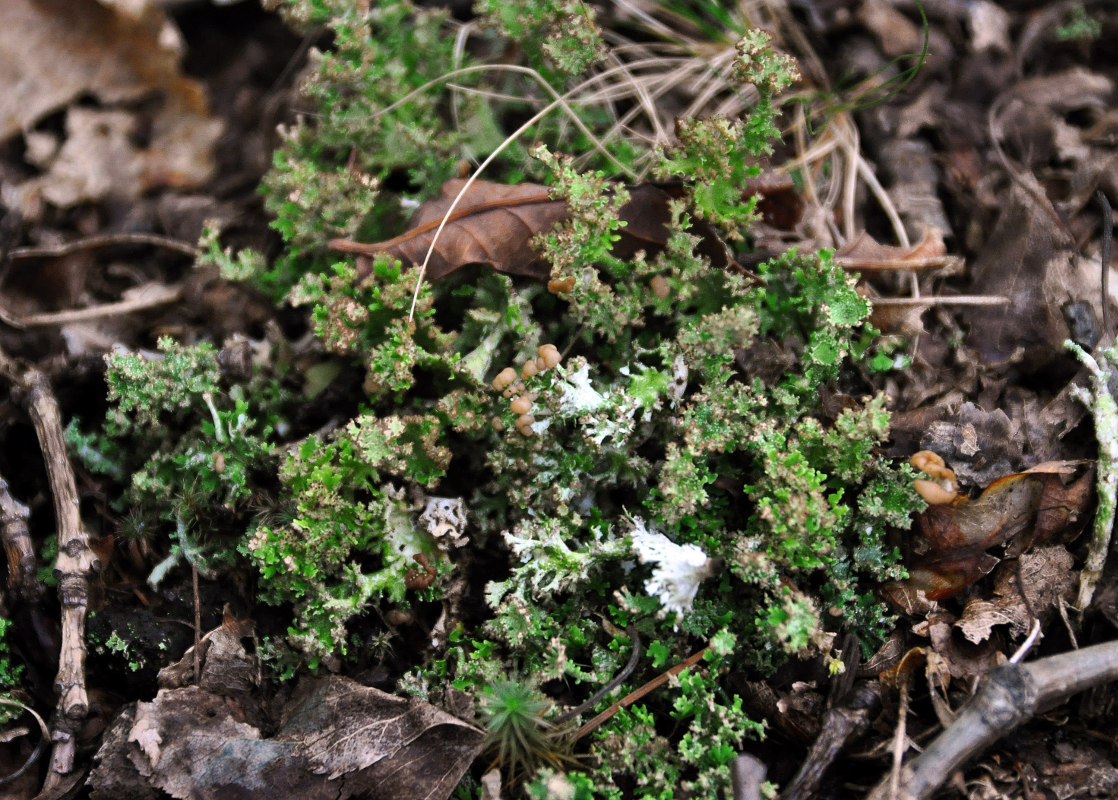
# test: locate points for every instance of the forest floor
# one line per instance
(972, 215)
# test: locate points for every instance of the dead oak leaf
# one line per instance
(494, 224)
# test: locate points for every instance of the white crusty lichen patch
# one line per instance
(1105, 411)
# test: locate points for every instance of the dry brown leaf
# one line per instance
(53, 52)
(494, 224)
(337, 739)
(1047, 577)
(981, 445)
(227, 668)
(1029, 259)
(1036, 506)
(865, 253)
(953, 654)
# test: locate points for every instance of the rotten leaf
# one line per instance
(336, 739)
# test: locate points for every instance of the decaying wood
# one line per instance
(76, 562)
(1010, 695)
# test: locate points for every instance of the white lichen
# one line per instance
(678, 571)
(445, 519)
(579, 397)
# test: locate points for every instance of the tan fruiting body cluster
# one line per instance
(942, 488)
(511, 386)
(660, 286)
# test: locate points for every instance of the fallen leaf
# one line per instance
(1028, 508)
(494, 224)
(960, 658)
(1029, 259)
(1046, 577)
(227, 668)
(336, 739)
(53, 52)
(865, 253)
(981, 445)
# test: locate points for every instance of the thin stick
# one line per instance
(76, 562)
(950, 300)
(618, 679)
(633, 697)
(152, 296)
(104, 240)
(886, 264)
(1107, 236)
(840, 726)
(899, 738)
(197, 626)
(1009, 696)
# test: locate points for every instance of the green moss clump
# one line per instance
(680, 474)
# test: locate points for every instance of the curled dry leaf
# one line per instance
(866, 254)
(494, 224)
(1044, 504)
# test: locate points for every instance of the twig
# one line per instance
(634, 696)
(840, 726)
(18, 547)
(1105, 411)
(197, 625)
(76, 561)
(1107, 236)
(1010, 695)
(946, 300)
(104, 240)
(887, 265)
(617, 680)
(899, 738)
(148, 296)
